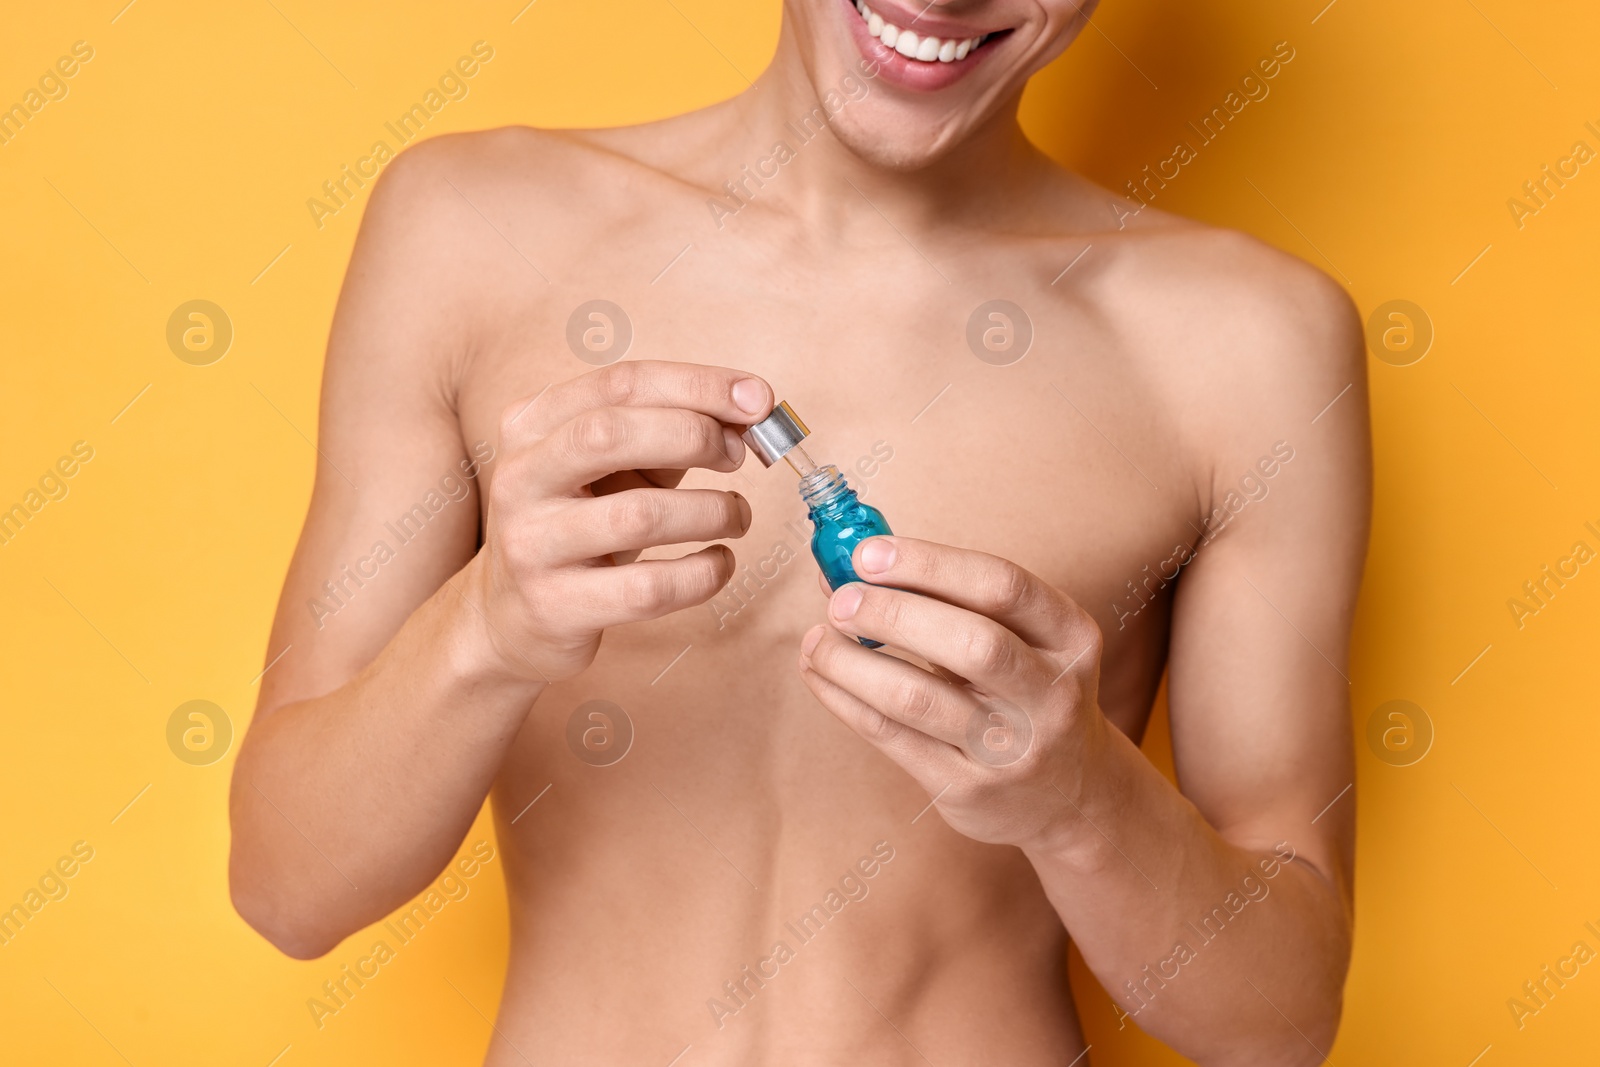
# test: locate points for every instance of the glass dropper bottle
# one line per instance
(839, 519)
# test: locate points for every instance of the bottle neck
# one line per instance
(825, 489)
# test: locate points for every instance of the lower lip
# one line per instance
(908, 73)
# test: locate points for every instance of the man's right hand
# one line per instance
(586, 477)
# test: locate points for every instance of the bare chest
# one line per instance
(1016, 430)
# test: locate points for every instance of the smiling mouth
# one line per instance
(922, 49)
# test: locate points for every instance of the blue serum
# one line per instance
(839, 519)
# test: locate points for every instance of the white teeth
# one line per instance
(908, 44)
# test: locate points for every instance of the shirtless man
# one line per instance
(1175, 476)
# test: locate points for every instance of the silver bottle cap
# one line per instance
(776, 435)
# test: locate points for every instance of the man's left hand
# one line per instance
(1002, 732)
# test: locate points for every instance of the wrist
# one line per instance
(1083, 791)
(480, 655)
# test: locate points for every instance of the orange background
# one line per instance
(177, 168)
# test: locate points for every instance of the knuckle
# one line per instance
(914, 700)
(635, 514)
(1014, 588)
(702, 434)
(1081, 636)
(879, 727)
(1093, 638)
(890, 608)
(988, 650)
(599, 431)
(508, 422)
(646, 590)
(620, 383)
(500, 495)
(516, 422)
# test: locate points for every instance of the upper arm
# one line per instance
(1259, 686)
(388, 442)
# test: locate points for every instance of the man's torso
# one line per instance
(658, 901)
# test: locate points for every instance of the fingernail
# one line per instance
(744, 511)
(877, 555)
(846, 601)
(732, 445)
(809, 642)
(750, 395)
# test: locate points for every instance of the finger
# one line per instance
(730, 396)
(647, 479)
(622, 481)
(642, 518)
(973, 646)
(664, 477)
(931, 762)
(602, 441)
(904, 692)
(993, 587)
(647, 589)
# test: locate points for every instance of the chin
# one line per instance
(890, 141)
(935, 72)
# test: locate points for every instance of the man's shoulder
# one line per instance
(1194, 276)
(558, 190)
(524, 157)
(1226, 319)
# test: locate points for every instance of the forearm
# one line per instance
(345, 805)
(1227, 953)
